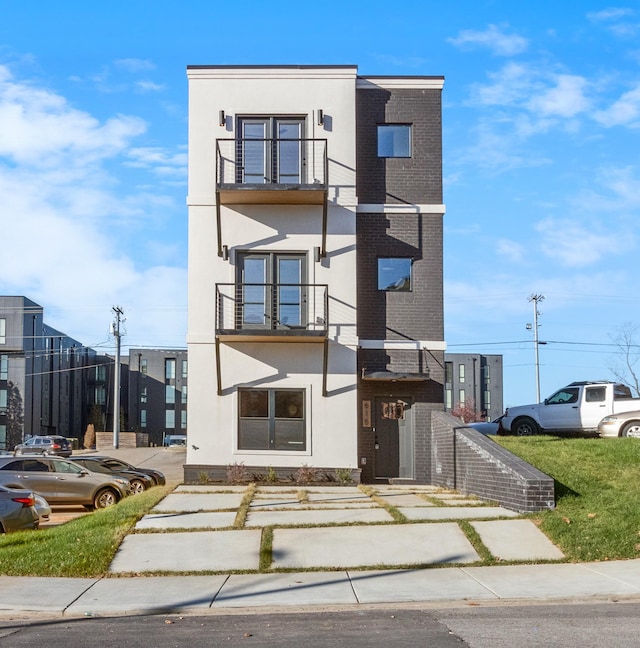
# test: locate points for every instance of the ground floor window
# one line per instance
(271, 419)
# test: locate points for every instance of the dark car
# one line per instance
(139, 481)
(17, 510)
(62, 481)
(117, 464)
(45, 445)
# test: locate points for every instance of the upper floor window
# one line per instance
(3, 330)
(170, 369)
(274, 290)
(394, 140)
(394, 274)
(144, 368)
(4, 367)
(461, 371)
(271, 150)
(184, 368)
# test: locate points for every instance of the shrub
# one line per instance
(236, 473)
(306, 474)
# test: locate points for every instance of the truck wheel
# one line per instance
(525, 426)
(631, 430)
(105, 497)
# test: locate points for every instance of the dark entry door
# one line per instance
(393, 438)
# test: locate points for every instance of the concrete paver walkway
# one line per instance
(322, 527)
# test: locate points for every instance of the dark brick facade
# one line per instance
(404, 316)
(414, 180)
(472, 463)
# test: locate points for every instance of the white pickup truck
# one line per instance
(578, 407)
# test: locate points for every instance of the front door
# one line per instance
(393, 438)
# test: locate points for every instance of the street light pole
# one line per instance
(536, 299)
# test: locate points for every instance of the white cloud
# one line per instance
(578, 243)
(565, 98)
(68, 220)
(493, 38)
(149, 86)
(624, 112)
(617, 20)
(134, 64)
(511, 251)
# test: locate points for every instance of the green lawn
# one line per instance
(597, 481)
(83, 547)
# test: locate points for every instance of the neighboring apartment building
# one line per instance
(157, 388)
(46, 378)
(474, 378)
(315, 333)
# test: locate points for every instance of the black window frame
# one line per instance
(279, 432)
(381, 149)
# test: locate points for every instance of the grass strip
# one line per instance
(389, 508)
(245, 505)
(83, 547)
(474, 538)
(266, 549)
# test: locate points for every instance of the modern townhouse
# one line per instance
(315, 328)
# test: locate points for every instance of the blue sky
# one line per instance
(541, 114)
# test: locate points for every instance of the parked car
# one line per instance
(487, 427)
(17, 510)
(62, 481)
(118, 464)
(43, 508)
(45, 445)
(623, 424)
(138, 480)
(175, 441)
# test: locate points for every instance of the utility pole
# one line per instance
(119, 313)
(536, 299)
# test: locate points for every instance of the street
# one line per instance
(589, 625)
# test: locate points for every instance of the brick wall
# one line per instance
(472, 463)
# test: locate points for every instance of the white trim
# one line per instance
(390, 208)
(393, 83)
(404, 345)
(275, 72)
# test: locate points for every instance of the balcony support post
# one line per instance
(323, 249)
(325, 365)
(218, 366)
(219, 223)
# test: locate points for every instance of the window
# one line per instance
(448, 373)
(143, 395)
(394, 141)
(3, 436)
(461, 397)
(274, 292)
(486, 374)
(184, 393)
(183, 419)
(170, 369)
(567, 395)
(184, 368)
(143, 418)
(3, 401)
(4, 367)
(271, 419)
(448, 398)
(101, 373)
(461, 372)
(394, 274)
(3, 330)
(595, 394)
(271, 150)
(144, 369)
(101, 395)
(169, 394)
(487, 399)
(170, 419)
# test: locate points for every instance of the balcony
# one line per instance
(252, 312)
(276, 171)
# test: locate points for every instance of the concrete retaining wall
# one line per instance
(468, 461)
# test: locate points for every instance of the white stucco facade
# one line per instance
(322, 372)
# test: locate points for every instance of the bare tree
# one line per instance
(626, 367)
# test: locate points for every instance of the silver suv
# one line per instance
(45, 444)
(62, 482)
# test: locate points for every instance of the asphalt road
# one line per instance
(588, 625)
